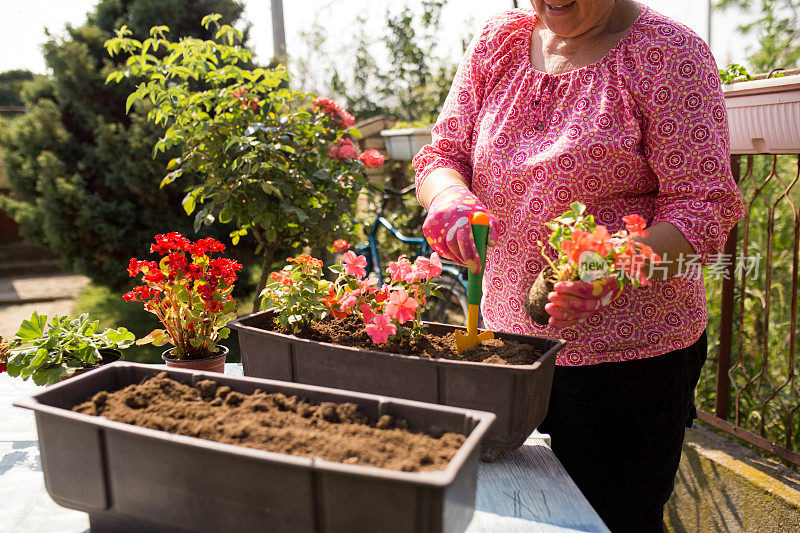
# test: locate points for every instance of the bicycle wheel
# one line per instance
(452, 307)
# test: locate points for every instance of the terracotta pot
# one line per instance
(215, 363)
(537, 298)
(517, 394)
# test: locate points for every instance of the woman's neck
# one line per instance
(555, 54)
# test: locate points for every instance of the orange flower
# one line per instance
(635, 224)
(330, 301)
(305, 259)
(284, 277)
(598, 241)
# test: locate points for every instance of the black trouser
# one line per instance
(618, 429)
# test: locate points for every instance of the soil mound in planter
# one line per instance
(349, 331)
(274, 422)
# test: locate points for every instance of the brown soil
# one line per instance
(274, 422)
(350, 331)
(537, 297)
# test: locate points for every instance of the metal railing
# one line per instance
(750, 383)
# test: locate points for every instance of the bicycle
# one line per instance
(452, 307)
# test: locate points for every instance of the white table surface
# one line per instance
(527, 490)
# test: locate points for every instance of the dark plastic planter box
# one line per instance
(130, 478)
(517, 394)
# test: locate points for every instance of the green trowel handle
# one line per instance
(480, 233)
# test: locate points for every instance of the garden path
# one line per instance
(50, 294)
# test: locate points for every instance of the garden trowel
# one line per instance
(464, 341)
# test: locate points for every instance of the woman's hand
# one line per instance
(573, 301)
(447, 226)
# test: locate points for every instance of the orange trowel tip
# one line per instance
(480, 218)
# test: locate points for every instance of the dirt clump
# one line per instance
(274, 422)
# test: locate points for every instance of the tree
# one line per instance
(776, 23)
(399, 75)
(84, 182)
(11, 82)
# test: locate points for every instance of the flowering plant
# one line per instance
(389, 310)
(189, 292)
(588, 252)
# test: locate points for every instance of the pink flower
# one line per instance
(346, 119)
(428, 268)
(635, 225)
(343, 149)
(366, 313)
(367, 286)
(350, 299)
(379, 329)
(400, 269)
(401, 306)
(354, 265)
(372, 158)
(341, 245)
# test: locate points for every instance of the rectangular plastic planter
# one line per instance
(517, 394)
(404, 144)
(130, 478)
(763, 116)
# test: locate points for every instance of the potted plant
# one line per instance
(405, 140)
(585, 251)
(189, 290)
(279, 164)
(49, 353)
(134, 478)
(366, 334)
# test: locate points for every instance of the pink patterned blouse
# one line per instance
(643, 130)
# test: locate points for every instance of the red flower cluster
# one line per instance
(4, 349)
(187, 289)
(344, 148)
(187, 265)
(246, 102)
(326, 105)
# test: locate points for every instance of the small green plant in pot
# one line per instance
(49, 353)
(189, 291)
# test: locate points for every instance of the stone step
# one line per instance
(23, 251)
(30, 268)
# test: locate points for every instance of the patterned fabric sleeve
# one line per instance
(451, 143)
(685, 132)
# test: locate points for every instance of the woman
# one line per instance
(616, 106)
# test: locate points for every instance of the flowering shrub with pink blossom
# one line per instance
(278, 163)
(389, 309)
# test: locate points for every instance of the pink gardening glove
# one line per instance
(447, 225)
(573, 301)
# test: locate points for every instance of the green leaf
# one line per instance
(33, 328)
(130, 100)
(189, 203)
(39, 358)
(51, 375)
